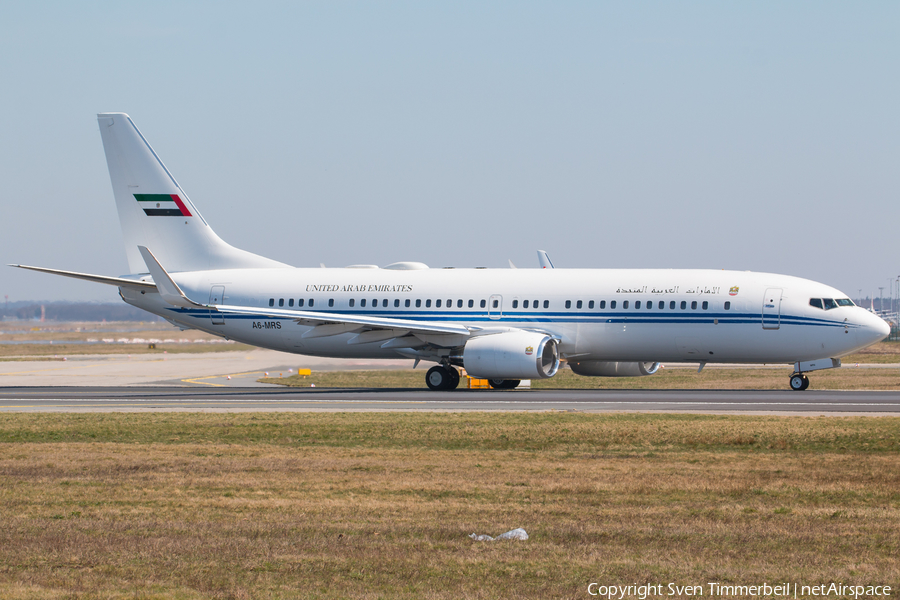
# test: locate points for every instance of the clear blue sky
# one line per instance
(760, 136)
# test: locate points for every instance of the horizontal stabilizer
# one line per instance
(116, 281)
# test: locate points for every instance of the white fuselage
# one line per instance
(597, 314)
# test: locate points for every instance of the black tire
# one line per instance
(437, 378)
(805, 382)
(797, 381)
(504, 384)
(453, 383)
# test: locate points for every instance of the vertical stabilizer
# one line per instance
(155, 212)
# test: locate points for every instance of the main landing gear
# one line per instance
(442, 378)
(799, 382)
(504, 384)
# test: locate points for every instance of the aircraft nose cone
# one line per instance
(874, 329)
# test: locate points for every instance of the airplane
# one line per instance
(503, 325)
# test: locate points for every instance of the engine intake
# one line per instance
(511, 355)
(603, 368)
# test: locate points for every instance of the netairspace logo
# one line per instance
(722, 590)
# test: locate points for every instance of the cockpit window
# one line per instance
(829, 303)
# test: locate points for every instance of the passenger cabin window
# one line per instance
(496, 304)
(331, 302)
(683, 305)
(418, 304)
(694, 305)
(311, 302)
(672, 305)
(662, 304)
(362, 302)
(384, 303)
(397, 303)
(534, 304)
(471, 304)
(437, 303)
(300, 302)
(281, 302)
(705, 305)
(515, 304)
(271, 301)
(578, 304)
(459, 303)
(568, 304)
(525, 304)
(728, 306)
(603, 304)
(625, 304)
(649, 304)
(547, 304)
(352, 302)
(612, 304)
(291, 302)
(427, 303)
(590, 304)
(483, 303)
(637, 304)
(406, 304)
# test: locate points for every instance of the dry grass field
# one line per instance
(375, 505)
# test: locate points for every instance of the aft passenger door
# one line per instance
(217, 296)
(771, 309)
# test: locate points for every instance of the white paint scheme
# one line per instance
(201, 282)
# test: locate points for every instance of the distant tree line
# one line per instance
(74, 311)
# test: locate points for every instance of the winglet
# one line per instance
(544, 260)
(168, 289)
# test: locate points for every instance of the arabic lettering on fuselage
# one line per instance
(359, 288)
(702, 289)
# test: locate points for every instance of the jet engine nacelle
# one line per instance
(603, 368)
(511, 355)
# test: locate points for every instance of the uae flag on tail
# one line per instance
(162, 205)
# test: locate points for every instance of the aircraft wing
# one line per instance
(369, 328)
(349, 322)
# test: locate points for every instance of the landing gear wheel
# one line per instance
(504, 384)
(439, 378)
(799, 382)
(454, 379)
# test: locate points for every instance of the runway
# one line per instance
(198, 399)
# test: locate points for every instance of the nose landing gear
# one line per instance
(799, 382)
